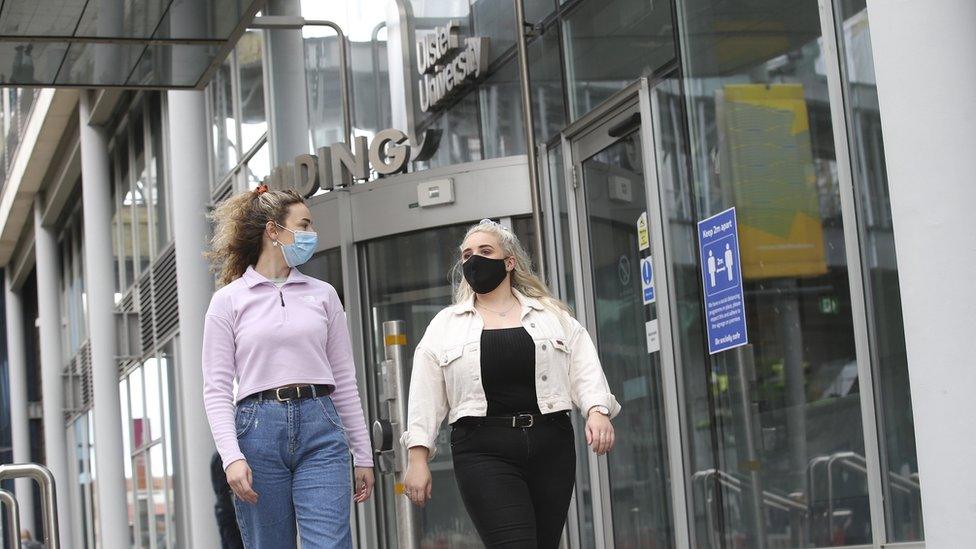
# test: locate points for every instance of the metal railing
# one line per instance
(796, 509)
(13, 518)
(809, 517)
(15, 108)
(49, 502)
(857, 463)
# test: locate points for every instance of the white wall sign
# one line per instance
(653, 337)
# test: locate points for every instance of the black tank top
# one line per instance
(508, 371)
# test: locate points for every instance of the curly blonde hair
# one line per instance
(239, 224)
(523, 279)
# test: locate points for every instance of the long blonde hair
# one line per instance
(523, 279)
(239, 224)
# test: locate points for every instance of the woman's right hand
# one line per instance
(240, 481)
(417, 482)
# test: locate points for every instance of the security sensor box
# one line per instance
(436, 192)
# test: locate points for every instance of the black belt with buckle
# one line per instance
(297, 392)
(517, 421)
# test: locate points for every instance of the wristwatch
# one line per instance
(599, 408)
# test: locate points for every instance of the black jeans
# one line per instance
(516, 484)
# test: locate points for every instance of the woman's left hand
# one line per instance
(599, 432)
(364, 484)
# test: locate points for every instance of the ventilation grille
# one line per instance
(165, 303)
(78, 394)
(127, 304)
(154, 296)
(145, 292)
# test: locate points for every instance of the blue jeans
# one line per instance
(301, 471)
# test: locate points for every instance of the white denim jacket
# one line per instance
(446, 377)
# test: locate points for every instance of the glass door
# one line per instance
(619, 305)
(406, 278)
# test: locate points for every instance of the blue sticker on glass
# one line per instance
(725, 310)
(647, 280)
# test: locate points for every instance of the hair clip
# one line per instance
(261, 189)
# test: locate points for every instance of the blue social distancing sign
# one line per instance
(725, 311)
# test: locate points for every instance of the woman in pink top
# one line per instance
(286, 439)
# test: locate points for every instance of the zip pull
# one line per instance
(282, 296)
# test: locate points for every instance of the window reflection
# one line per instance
(608, 44)
(548, 105)
(327, 266)
(776, 441)
(501, 113)
(84, 471)
(254, 123)
(145, 394)
(364, 23)
(258, 167)
(223, 129)
(902, 491)
(140, 217)
(158, 194)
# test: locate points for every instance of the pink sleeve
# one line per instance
(218, 379)
(338, 348)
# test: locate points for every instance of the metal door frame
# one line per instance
(580, 141)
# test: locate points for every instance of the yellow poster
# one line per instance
(767, 165)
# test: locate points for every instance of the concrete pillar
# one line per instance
(190, 197)
(925, 62)
(286, 78)
(97, 208)
(52, 366)
(19, 417)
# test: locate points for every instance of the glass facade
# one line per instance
(771, 408)
(742, 119)
(82, 467)
(74, 299)
(728, 104)
(238, 122)
(902, 490)
(141, 226)
(145, 392)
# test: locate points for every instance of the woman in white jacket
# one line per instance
(506, 363)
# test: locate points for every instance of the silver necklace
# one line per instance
(501, 314)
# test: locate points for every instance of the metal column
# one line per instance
(52, 383)
(97, 208)
(186, 139)
(523, 66)
(392, 456)
(285, 68)
(19, 416)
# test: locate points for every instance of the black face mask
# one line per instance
(484, 274)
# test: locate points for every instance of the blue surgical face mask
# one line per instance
(302, 249)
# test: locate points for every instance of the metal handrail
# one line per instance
(13, 518)
(854, 462)
(770, 499)
(272, 22)
(49, 500)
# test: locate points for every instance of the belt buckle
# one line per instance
(515, 421)
(278, 395)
